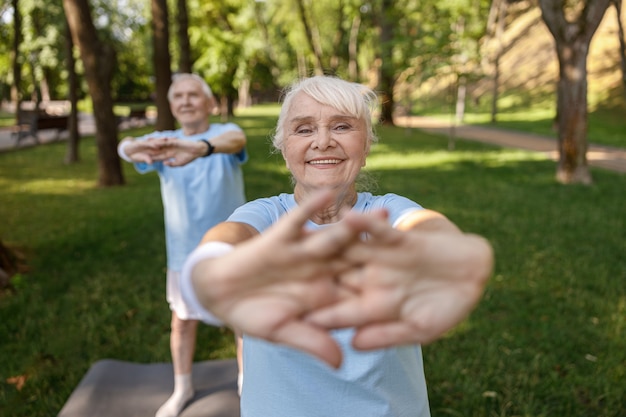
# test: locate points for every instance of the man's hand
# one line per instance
(172, 151)
(146, 151)
(178, 152)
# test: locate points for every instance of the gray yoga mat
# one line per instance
(113, 388)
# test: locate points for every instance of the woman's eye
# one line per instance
(303, 130)
(342, 126)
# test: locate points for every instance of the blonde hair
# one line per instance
(351, 98)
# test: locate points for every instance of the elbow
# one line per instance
(481, 262)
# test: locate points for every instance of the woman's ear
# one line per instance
(366, 152)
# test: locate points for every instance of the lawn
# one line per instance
(548, 339)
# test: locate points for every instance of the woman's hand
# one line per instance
(269, 283)
(411, 286)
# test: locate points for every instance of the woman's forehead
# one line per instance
(305, 106)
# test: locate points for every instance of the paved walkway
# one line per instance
(86, 126)
(598, 156)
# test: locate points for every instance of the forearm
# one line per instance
(195, 278)
(229, 142)
(427, 220)
(122, 151)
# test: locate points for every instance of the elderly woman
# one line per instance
(330, 273)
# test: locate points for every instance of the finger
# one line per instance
(383, 335)
(351, 312)
(311, 339)
(375, 224)
(429, 321)
(329, 242)
(293, 222)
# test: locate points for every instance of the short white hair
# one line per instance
(176, 78)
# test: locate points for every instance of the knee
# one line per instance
(183, 326)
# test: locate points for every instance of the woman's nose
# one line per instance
(323, 139)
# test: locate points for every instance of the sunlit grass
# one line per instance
(51, 186)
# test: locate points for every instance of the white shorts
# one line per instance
(178, 305)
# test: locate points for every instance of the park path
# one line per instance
(598, 156)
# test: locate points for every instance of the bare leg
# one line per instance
(182, 346)
(239, 342)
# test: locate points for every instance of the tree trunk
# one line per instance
(499, 8)
(72, 155)
(16, 95)
(340, 34)
(162, 64)
(572, 40)
(572, 118)
(313, 40)
(386, 80)
(184, 62)
(622, 42)
(99, 61)
(353, 65)
(271, 51)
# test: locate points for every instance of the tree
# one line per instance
(182, 18)
(495, 29)
(72, 79)
(99, 61)
(622, 41)
(572, 38)
(16, 95)
(387, 77)
(162, 63)
(312, 37)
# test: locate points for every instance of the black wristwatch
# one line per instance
(210, 149)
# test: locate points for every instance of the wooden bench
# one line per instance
(137, 114)
(135, 117)
(30, 122)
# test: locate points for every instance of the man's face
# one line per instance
(189, 105)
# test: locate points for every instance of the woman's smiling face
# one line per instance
(324, 147)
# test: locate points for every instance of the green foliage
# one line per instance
(548, 339)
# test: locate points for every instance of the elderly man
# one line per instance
(199, 167)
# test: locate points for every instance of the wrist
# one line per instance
(122, 149)
(210, 148)
(188, 291)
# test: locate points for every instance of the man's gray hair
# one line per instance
(176, 78)
(351, 98)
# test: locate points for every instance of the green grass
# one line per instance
(548, 339)
(606, 121)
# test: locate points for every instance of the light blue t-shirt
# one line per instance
(286, 382)
(198, 195)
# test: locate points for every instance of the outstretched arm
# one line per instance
(176, 152)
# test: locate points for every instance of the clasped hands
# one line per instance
(292, 286)
(173, 152)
